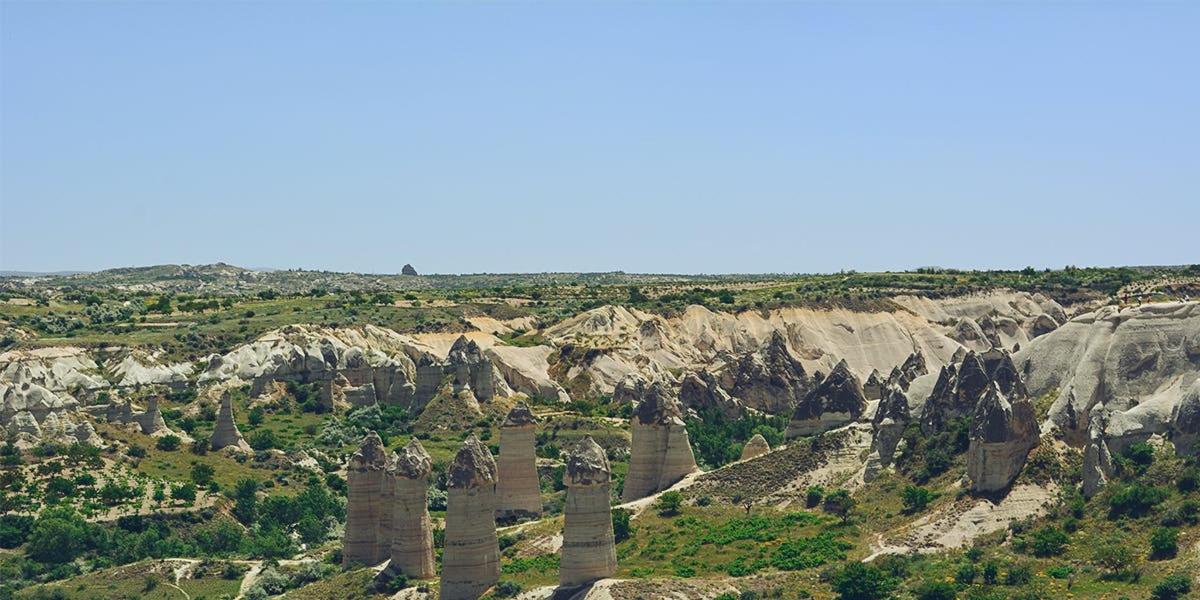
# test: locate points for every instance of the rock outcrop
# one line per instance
(225, 431)
(408, 270)
(151, 421)
(757, 446)
(700, 390)
(660, 452)
(959, 388)
(471, 558)
(470, 367)
(836, 401)
(873, 386)
(588, 547)
(1002, 434)
(411, 546)
(1185, 423)
(1116, 357)
(891, 417)
(365, 542)
(518, 493)
(770, 379)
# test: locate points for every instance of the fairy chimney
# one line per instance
(225, 432)
(757, 446)
(660, 453)
(412, 531)
(364, 504)
(518, 493)
(588, 546)
(471, 558)
(151, 421)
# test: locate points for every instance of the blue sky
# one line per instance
(651, 137)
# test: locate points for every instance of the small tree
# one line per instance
(167, 443)
(840, 503)
(669, 504)
(202, 474)
(814, 495)
(862, 581)
(916, 498)
(1049, 541)
(1114, 556)
(621, 528)
(1171, 587)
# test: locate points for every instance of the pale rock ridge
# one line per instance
(1116, 357)
(588, 547)
(365, 543)
(471, 559)
(411, 546)
(225, 432)
(757, 446)
(660, 453)
(518, 491)
(1002, 434)
(836, 401)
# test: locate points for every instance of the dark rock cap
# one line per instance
(657, 406)
(587, 464)
(894, 406)
(371, 455)
(519, 415)
(412, 461)
(473, 466)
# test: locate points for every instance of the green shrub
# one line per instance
(621, 527)
(935, 590)
(1171, 587)
(167, 443)
(840, 503)
(814, 495)
(506, 589)
(805, 553)
(1135, 500)
(1060, 571)
(1164, 543)
(669, 504)
(862, 581)
(1018, 575)
(916, 498)
(1049, 541)
(966, 574)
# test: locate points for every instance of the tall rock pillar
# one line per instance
(660, 452)
(364, 504)
(225, 432)
(518, 493)
(471, 558)
(412, 530)
(588, 549)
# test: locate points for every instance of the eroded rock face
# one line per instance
(1185, 426)
(701, 390)
(471, 559)
(365, 542)
(472, 368)
(837, 401)
(630, 389)
(1002, 434)
(518, 493)
(770, 379)
(891, 417)
(151, 421)
(960, 387)
(757, 446)
(225, 431)
(873, 386)
(411, 546)
(589, 548)
(660, 452)
(1116, 357)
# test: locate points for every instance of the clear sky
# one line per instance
(650, 137)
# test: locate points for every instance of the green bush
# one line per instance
(966, 574)
(167, 443)
(862, 581)
(805, 553)
(1049, 541)
(916, 498)
(1164, 543)
(621, 528)
(14, 530)
(1135, 500)
(506, 589)
(935, 590)
(1171, 587)
(814, 495)
(840, 503)
(669, 504)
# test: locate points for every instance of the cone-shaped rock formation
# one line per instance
(891, 417)
(757, 446)
(151, 421)
(412, 531)
(838, 400)
(225, 432)
(1002, 434)
(364, 542)
(471, 559)
(771, 379)
(518, 493)
(588, 548)
(660, 453)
